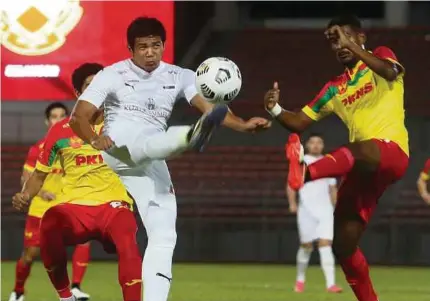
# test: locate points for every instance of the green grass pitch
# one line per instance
(222, 282)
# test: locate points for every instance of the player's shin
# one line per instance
(157, 262)
(327, 265)
(356, 271)
(129, 259)
(22, 271)
(54, 255)
(332, 165)
(302, 258)
(81, 257)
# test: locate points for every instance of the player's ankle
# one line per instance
(76, 285)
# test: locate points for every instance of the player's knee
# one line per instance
(307, 246)
(343, 249)
(324, 243)
(30, 254)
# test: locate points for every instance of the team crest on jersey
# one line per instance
(75, 142)
(37, 27)
(341, 88)
(150, 104)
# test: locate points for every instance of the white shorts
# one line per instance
(314, 225)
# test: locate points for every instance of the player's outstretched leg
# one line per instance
(303, 256)
(80, 259)
(347, 233)
(122, 232)
(340, 162)
(202, 131)
(53, 253)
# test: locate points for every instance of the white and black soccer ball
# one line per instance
(218, 80)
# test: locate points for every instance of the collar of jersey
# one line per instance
(142, 72)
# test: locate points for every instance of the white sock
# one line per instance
(303, 257)
(160, 146)
(327, 265)
(157, 261)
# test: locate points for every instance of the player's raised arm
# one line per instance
(382, 61)
(87, 107)
(422, 183)
(232, 121)
(294, 122)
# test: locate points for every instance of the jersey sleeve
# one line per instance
(102, 85)
(49, 153)
(188, 84)
(425, 173)
(321, 105)
(31, 160)
(387, 54)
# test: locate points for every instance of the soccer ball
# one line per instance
(218, 80)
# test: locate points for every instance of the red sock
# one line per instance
(356, 271)
(333, 165)
(53, 253)
(80, 260)
(129, 259)
(22, 272)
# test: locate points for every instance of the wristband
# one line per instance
(275, 111)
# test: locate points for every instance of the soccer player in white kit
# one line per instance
(138, 95)
(315, 219)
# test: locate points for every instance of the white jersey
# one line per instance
(134, 99)
(314, 196)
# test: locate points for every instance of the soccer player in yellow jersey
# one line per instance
(368, 98)
(54, 113)
(94, 206)
(422, 182)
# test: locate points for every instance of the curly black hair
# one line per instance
(82, 72)
(145, 27)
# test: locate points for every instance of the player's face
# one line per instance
(55, 116)
(85, 85)
(147, 52)
(315, 146)
(343, 55)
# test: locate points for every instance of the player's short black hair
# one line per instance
(145, 27)
(53, 106)
(315, 134)
(82, 72)
(351, 20)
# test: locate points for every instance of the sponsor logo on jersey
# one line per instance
(38, 27)
(88, 160)
(357, 95)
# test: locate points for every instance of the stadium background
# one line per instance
(231, 201)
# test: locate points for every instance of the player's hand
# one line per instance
(336, 33)
(47, 196)
(102, 143)
(20, 201)
(272, 97)
(293, 208)
(256, 124)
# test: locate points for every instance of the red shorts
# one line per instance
(359, 192)
(82, 223)
(32, 231)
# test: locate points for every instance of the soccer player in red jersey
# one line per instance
(94, 205)
(46, 198)
(368, 98)
(422, 182)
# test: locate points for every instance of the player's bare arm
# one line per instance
(292, 198)
(383, 67)
(81, 119)
(294, 122)
(333, 194)
(31, 188)
(422, 187)
(232, 121)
